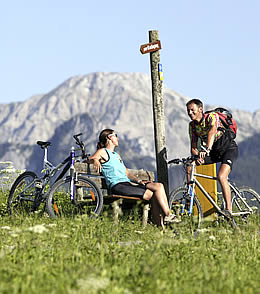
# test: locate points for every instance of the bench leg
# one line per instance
(117, 210)
(146, 209)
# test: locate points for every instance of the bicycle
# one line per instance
(29, 192)
(186, 205)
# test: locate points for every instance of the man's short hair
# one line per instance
(196, 101)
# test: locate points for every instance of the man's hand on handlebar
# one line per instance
(201, 160)
(202, 154)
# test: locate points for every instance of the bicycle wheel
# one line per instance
(22, 194)
(88, 198)
(250, 196)
(179, 203)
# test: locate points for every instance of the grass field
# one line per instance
(40, 255)
(80, 255)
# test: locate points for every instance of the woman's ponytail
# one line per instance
(99, 145)
(103, 138)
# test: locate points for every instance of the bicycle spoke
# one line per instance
(179, 203)
(88, 198)
(21, 200)
(245, 203)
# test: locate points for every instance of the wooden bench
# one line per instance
(117, 200)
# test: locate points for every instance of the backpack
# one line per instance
(229, 131)
(227, 120)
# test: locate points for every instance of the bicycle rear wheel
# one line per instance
(179, 203)
(22, 194)
(88, 198)
(250, 196)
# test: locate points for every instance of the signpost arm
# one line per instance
(158, 115)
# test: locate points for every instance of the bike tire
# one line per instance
(88, 198)
(22, 194)
(177, 199)
(250, 196)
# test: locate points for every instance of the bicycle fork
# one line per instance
(72, 175)
(185, 199)
(191, 192)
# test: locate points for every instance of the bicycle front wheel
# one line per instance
(22, 194)
(248, 195)
(179, 203)
(85, 198)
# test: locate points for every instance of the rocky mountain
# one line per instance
(89, 103)
(246, 170)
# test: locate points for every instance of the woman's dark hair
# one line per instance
(195, 101)
(103, 138)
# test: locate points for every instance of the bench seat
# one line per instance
(116, 200)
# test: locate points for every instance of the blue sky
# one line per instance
(210, 49)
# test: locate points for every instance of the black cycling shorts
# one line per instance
(228, 157)
(129, 189)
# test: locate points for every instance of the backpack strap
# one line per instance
(226, 122)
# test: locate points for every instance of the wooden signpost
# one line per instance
(150, 47)
(153, 48)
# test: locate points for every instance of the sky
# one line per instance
(210, 49)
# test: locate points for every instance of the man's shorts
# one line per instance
(129, 189)
(228, 157)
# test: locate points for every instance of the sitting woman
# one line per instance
(118, 178)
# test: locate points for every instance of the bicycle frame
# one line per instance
(195, 182)
(33, 188)
(50, 170)
(72, 173)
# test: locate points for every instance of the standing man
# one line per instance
(207, 129)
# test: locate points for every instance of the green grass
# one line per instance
(41, 255)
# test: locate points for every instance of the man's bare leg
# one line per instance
(223, 173)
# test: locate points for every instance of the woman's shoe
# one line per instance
(171, 219)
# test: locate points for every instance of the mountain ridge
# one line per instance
(89, 103)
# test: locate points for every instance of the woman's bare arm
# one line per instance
(99, 156)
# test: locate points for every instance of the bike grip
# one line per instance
(175, 161)
(76, 136)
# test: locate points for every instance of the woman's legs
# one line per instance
(156, 211)
(152, 191)
(156, 190)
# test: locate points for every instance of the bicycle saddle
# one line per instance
(43, 144)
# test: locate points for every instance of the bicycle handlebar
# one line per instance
(78, 142)
(81, 145)
(189, 159)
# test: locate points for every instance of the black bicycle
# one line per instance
(29, 193)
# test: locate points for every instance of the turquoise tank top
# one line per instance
(114, 169)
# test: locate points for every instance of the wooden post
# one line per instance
(158, 115)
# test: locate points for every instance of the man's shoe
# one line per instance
(228, 215)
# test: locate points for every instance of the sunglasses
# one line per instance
(111, 135)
